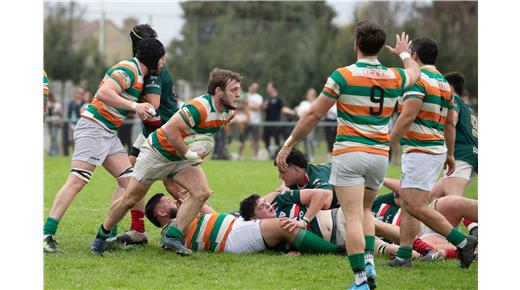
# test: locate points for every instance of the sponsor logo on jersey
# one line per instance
(189, 116)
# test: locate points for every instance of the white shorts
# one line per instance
(151, 165)
(139, 141)
(463, 170)
(245, 237)
(339, 228)
(93, 143)
(421, 170)
(355, 168)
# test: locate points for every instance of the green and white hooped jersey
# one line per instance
(466, 138)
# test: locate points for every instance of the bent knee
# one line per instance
(203, 194)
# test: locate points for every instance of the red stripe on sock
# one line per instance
(137, 220)
(422, 247)
(451, 253)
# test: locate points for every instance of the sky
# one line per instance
(166, 16)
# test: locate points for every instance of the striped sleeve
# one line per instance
(452, 104)
(417, 91)
(405, 78)
(123, 76)
(332, 88)
(193, 113)
(152, 85)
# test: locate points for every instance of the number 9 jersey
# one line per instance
(366, 93)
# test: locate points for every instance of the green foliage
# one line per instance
(150, 267)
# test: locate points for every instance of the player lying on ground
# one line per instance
(221, 232)
(386, 208)
(327, 224)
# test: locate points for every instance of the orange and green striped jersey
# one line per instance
(366, 93)
(201, 117)
(130, 78)
(427, 131)
(209, 232)
(45, 86)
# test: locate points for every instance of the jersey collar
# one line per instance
(369, 61)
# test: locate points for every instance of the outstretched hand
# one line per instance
(402, 44)
(281, 158)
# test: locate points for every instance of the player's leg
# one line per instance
(455, 183)
(387, 231)
(193, 179)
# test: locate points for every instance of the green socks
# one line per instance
(113, 232)
(173, 232)
(357, 262)
(404, 252)
(306, 241)
(102, 233)
(51, 226)
(456, 238)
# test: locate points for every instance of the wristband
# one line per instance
(306, 220)
(134, 106)
(191, 156)
(404, 55)
(290, 141)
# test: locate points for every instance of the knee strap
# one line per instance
(82, 174)
(126, 173)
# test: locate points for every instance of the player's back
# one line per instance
(366, 93)
(209, 232)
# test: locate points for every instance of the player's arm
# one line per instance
(109, 92)
(173, 131)
(152, 90)
(402, 49)
(411, 107)
(307, 122)
(271, 196)
(449, 136)
(153, 99)
(315, 200)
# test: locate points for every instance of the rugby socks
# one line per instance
(172, 231)
(422, 247)
(457, 238)
(451, 253)
(370, 244)
(404, 253)
(50, 227)
(103, 233)
(466, 221)
(357, 263)
(113, 232)
(306, 241)
(137, 220)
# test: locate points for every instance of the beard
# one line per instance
(227, 105)
(172, 212)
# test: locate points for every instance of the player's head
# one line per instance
(369, 37)
(456, 81)
(424, 49)
(255, 207)
(139, 32)
(160, 210)
(225, 84)
(295, 172)
(150, 52)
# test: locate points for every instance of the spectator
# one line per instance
(330, 131)
(309, 142)
(254, 110)
(54, 115)
(73, 114)
(273, 107)
(87, 98)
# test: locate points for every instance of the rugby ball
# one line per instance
(201, 144)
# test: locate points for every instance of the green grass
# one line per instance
(150, 267)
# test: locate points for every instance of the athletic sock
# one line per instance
(51, 226)
(455, 237)
(404, 252)
(173, 231)
(103, 233)
(451, 253)
(370, 245)
(137, 220)
(422, 247)
(113, 232)
(306, 241)
(357, 263)
(466, 221)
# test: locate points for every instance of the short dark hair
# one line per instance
(296, 158)
(150, 209)
(247, 206)
(219, 78)
(370, 37)
(139, 32)
(456, 80)
(426, 49)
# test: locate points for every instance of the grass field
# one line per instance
(150, 267)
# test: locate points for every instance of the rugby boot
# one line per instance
(362, 286)
(466, 253)
(133, 237)
(371, 276)
(398, 262)
(50, 244)
(176, 245)
(431, 255)
(98, 246)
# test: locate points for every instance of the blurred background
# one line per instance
(296, 45)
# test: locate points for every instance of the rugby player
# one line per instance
(466, 143)
(166, 155)
(425, 128)
(366, 93)
(95, 135)
(221, 232)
